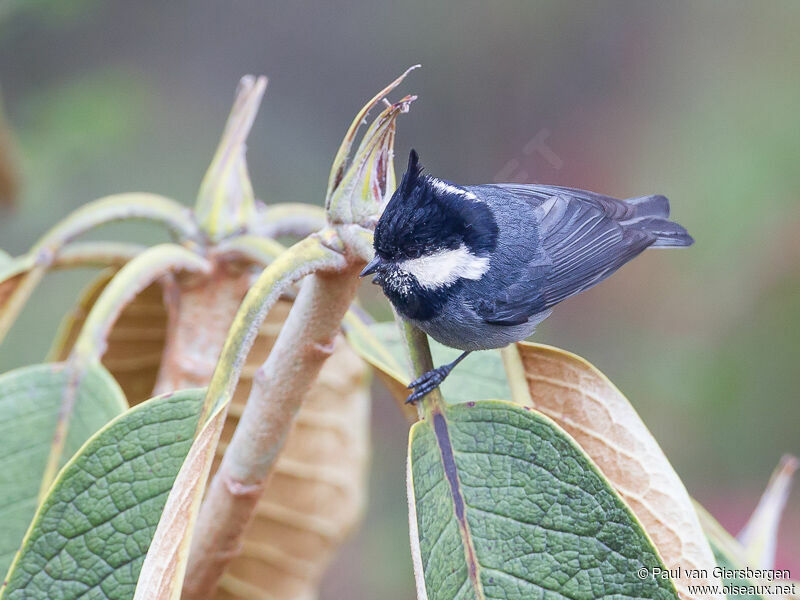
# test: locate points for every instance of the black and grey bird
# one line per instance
(479, 267)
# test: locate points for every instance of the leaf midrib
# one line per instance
(447, 456)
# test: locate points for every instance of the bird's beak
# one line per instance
(372, 266)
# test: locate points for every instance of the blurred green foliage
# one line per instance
(46, 12)
(68, 129)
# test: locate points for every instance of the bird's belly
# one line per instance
(465, 330)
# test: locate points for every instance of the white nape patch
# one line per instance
(444, 267)
(448, 188)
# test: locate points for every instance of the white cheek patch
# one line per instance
(445, 267)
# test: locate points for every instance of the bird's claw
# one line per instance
(426, 383)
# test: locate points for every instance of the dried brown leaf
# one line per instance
(594, 412)
(18, 278)
(8, 286)
(135, 344)
(317, 492)
(9, 167)
(202, 311)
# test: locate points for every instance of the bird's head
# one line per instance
(431, 235)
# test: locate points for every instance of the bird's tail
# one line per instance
(652, 215)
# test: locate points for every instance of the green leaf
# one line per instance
(581, 400)
(478, 377)
(162, 572)
(90, 535)
(359, 187)
(225, 202)
(506, 505)
(30, 401)
(340, 161)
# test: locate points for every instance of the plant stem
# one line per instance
(419, 353)
(305, 257)
(16, 301)
(260, 250)
(290, 218)
(515, 373)
(96, 254)
(119, 207)
(279, 386)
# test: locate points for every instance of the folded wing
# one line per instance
(585, 238)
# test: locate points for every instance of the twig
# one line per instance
(279, 387)
(515, 373)
(419, 353)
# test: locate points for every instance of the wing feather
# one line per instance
(585, 238)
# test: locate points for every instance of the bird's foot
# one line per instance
(427, 382)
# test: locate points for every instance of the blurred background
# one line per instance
(696, 101)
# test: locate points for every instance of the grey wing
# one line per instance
(584, 238)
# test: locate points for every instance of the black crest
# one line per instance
(426, 215)
(412, 175)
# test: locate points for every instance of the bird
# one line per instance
(478, 267)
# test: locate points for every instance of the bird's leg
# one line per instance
(427, 382)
